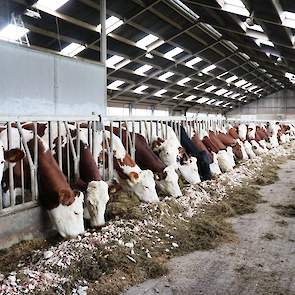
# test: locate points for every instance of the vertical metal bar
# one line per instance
(133, 141)
(78, 146)
(90, 132)
(103, 154)
(21, 175)
(10, 167)
(35, 161)
(59, 151)
(68, 159)
(111, 165)
(103, 44)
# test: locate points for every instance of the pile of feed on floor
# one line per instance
(139, 238)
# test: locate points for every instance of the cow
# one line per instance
(64, 206)
(200, 154)
(259, 145)
(242, 131)
(145, 158)
(232, 131)
(127, 172)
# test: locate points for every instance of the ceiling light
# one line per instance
(193, 61)
(202, 99)
(140, 89)
(212, 30)
(254, 27)
(155, 45)
(112, 23)
(247, 85)
(231, 79)
(200, 74)
(13, 32)
(257, 91)
(177, 96)
(141, 70)
(252, 88)
(114, 85)
(50, 4)
(113, 61)
(221, 91)
(288, 19)
(228, 93)
(32, 13)
(183, 81)
(181, 7)
(219, 102)
(241, 83)
(264, 41)
(235, 6)
(160, 92)
(146, 41)
(242, 97)
(123, 63)
(235, 95)
(148, 55)
(210, 101)
(165, 76)
(210, 88)
(173, 52)
(190, 98)
(72, 49)
(208, 69)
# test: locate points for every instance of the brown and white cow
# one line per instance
(166, 177)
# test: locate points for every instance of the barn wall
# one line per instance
(39, 83)
(277, 106)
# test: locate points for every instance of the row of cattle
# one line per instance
(157, 164)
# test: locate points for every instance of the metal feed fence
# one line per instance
(64, 144)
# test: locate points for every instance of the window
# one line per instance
(160, 92)
(161, 113)
(113, 61)
(202, 99)
(141, 70)
(141, 112)
(193, 61)
(112, 23)
(190, 98)
(210, 88)
(221, 91)
(231, 79)
(117, 111)
(183, 81)
(208, 69)
(146, 41)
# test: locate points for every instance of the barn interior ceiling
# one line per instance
(211, 55)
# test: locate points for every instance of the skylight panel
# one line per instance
(183, 81)
(247, 85)
(218, 103)
(288, 19)
(259, 90)
(228, 93)
(202, 100)
(210, 88)
(50, 4)
(208, 69)
(241, 83)
(198, 86)
(242, 97)
(235, 95)
(231, 79)
(221, 91)
(114, 60)
(193, 61)
(112, 23)
(252, 88)
(160, 92)
(210, 101)
(264, 41)
(140, 89)
(235, 6)
(190, 98)
(177, 96)
(13, 33)
(226, 104)
(72, 49)
(146, 41)
(141, 70)
(165, 76)
(114, 85)
(255, 27)
(173, 52)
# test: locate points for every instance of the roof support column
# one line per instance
(103, 44)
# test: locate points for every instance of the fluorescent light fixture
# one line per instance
(114, 85)
(12, 33)
(180, 6)
(33, 13)
(72, 49)
(183, 81)
(231, 79)
(235, 95)
(173, 52)
(247, 85)
(148, 55)
(218, 103)
(235, 6)
(113, 61)
(50, 4)
(241, 83)
(288, 19)
(160, 92)
(198, 86)
(221, 91)
(193, 61)
(146, 41)
(228, 93)
(155, 45)
(210, 88)
(210, 101)
(112, 23)
(141, 70)
(165, 76)
(264, 41)
(208, 69)
(140, 89)
(226, 104)
(190, 98)
(202, 100)
(177, 96)
(254, 27)
(252, 88)
(259, 90)
(242, 97)
(212, 30)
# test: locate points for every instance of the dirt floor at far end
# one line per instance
(262, 262)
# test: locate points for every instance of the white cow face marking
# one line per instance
(96, 201)
(68, 220)
(224, 161)
(170, 183)
(242, 129)
(244, 153)
(189, 171)
(214, 167)
(168, 154)
(258, 150)
(251, 131)
(145, 187)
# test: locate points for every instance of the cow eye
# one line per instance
(76, 213)
(146, 187)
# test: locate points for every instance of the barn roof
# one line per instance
(204, 54)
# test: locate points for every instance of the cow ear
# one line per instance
(157, 176)
(133, 176)
(13, 155)
(66, 197)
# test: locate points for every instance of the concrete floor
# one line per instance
(254, 265)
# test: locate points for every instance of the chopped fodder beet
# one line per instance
(285, 210)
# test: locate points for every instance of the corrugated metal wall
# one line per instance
(277, 106)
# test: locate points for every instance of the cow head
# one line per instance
(242, 130)
(189, 170)
(68, 219)
(237, 150)
(96, 201)
(169, 182)
(251, 131)
(243, 150)
(144, 186)
(168, 153)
